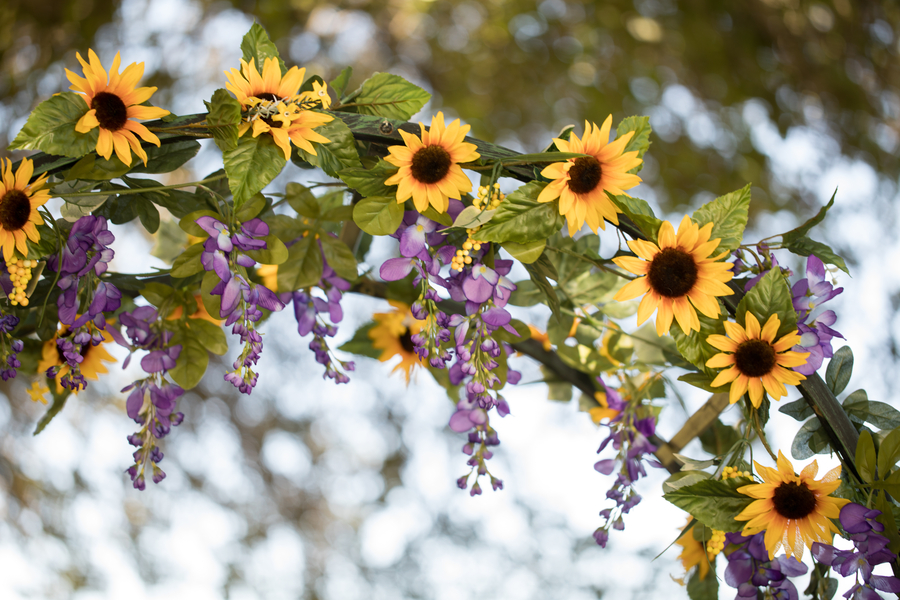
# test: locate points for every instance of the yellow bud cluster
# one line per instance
(487, 199)
(731, 472)
(715, 544)
(20, 274)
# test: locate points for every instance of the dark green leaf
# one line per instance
(718, 438)
(839, 370)
(59, 401)
(883, 416)
(191, 363)
(522, 219)
(526, 294)
(157, 293)
(338, 154)
(728, 214)
(167, 157)
(380, 215)
(50, 127)
(303, 268)
(640, 212)
(210, 335)
(146, 212)
(388, 95)
(538, 271)
(370, 182)
(799, 410)
(640, 141)
(188, 262)
(339, 257)
(800, 232)
(713, 502)
(808, 440)
(302, 200)
(706, 588)
(257, 46)
(251, 165)
(804, 246)
(223, 119)
(886, 518)
(97, 168)
(700, 380)
(361, 343)
(770, 296)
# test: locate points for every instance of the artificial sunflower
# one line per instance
(275, 107)
(756, 361)
(429, 166)
(678, 275)
(19, 201)
(392, 334)
(91, 367)
(693, 553)
(581, 184)
(113, 102)
(794, 510)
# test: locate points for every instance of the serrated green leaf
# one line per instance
(210, 335)
(640, 212)
(257, 46)
(525, 253)
(520, 218)
(303, 268)
(361, 344)
(369, 182)
(800, 232)
(380, 215)
(770, 296)
(799, 410)
(839, 370)
(339, 83)
(167, 157)
(188, 262)
(338, 154)
(640, 141)
(340, 257)
(804, 246)
(191, 363)
(695, 348)
(714, 503)
(390, 96)
(728, 214)
(50, 128)
(223, 118)
(251, 166)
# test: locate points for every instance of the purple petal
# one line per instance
(395, 269)
(460, 421)
(412, 240)
(605, 466)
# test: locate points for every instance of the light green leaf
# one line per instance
(390, 96)
(302, 200)
(865, 456)
(472, 217)
(339, 83)
(191, 363)
(251, 165)
(223, 119)
(888, 453)
(714, 503)
(250, 209)
(695, 348)
(339, 257)
(640, 212)
(188, 262)
(379, 215)
(210, 335)
(303, 268)
(212, 304)
(728, 214)
(525, 253)
(640, 141)
(770, 296)
(338, 154)
(520, 218)
(369, 182)
(275, 252)
(51, 127)
(257, 46)
(97, 168)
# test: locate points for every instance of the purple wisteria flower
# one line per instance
(815, 331)
(9, 347)
(870, 549)
(749, 569)
(769, 263)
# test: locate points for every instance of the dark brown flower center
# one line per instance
(268, 96)
(794, 500)
(672, 273)
(111, 111)
(15, 209)
(755, 358)
(406, 342)
(430, 164)
(585, 174)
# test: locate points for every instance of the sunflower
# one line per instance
(275, 107)
(693, 553)
(793, 510)
(679, 275)
(581, 184)
(112, 102)
(91, 367)
(392, 334)
(429, 166)
(19, 201)
(757, 362)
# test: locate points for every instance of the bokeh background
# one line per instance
(309, 490)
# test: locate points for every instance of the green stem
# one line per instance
(159, 188)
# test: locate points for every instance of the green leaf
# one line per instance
(856, 405)
(703, 589)
(146, 212)
(97, 168)
(526, 294)
(700, 380)
(303, 268)
(539, 270)
(683, 479)
(640, 141)
(442, 218)
(50, 127)
(522, 333)
(167, 157)
(799, 410)
(210, 335)
(338, 154)
(340, 257)
(275, 252)
(800, 232)
(339, 83)
(714, 503)
(865, 456)
(525, 253)
(883, 416)
(59, 401)
(520, 218)
(839, 370)
(640, 212)
(718, 438)
(339, 214)
(804, 246)
(361, 344)
(251, 166)
(223, 118)
(886, 518)
(257, 46)
(250, 209)
(695, 348)
(888, 453)
(212, 304)
(809, 441)
(157, 293)
(370, 182)
(191, 363)
(302, 200)
(380, 215)
(728, 214)
(388, 95)
(188, 262)
(770, 296)
(188, 222)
